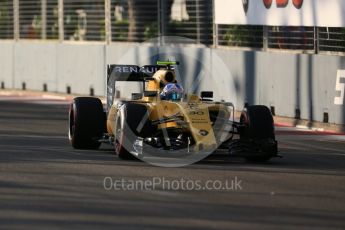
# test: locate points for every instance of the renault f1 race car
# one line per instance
(141, 121)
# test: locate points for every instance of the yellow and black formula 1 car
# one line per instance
(157, 124)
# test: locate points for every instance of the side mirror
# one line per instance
(136, 96)
(150, 93)
(206, 95)
(149, 79)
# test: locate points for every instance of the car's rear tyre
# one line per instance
(132, 122)
(86, 123)
(259, 130)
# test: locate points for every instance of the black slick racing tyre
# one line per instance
(86, 123)
(132, 122)
(258, 122)
(259, 130)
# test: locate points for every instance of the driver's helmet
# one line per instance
(172, 91)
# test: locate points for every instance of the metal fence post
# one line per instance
(265, 38)
(215, 26)
(161, 26)
(107, 19)
(197, 6)
(16, 34)
(61, 20)
(44, 19)
(215, 35)
(316, 39)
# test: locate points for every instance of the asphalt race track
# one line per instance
(45, 184)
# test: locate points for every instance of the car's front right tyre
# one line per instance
(86, 123)
(259, 130)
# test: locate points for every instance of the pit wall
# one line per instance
(292, 84)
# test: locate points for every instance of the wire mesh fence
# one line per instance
(331, 39)
(6, 19)
(50, 23)
(291, 37)
(140, 20)
(240, 36)
(38, 19)
(134, 20)
(84, 20)
(192, 19)
(30, 19)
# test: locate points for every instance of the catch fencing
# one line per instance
(140, 20)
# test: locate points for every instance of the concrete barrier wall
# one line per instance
(288, 82)
(7, 64)
(81, 67)
(35, 64)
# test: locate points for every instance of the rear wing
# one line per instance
(126, 73)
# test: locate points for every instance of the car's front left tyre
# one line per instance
(86, 123)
